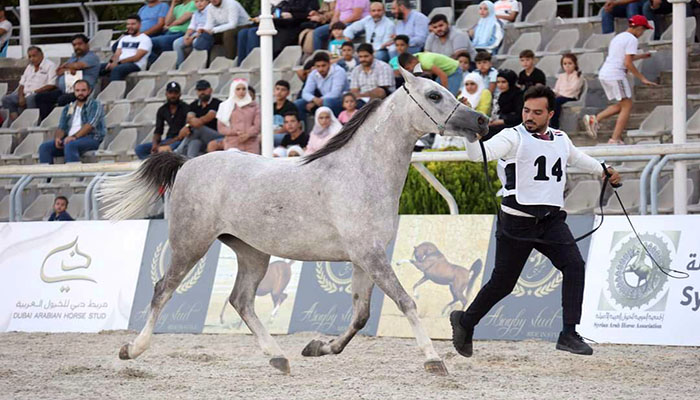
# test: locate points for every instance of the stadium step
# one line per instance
(692, 77)
(663, 92)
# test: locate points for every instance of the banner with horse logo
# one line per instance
(440, 260)
(186, 311)
(69, 276)
(627, 298)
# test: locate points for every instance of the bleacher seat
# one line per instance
(287, 59)
(76, 206)
(658, 123)
(249, 67)
(629, 194)
(195, 61)
(218, 66)
(667, 36)
(583, 198)
(27, 119)
(164, 63)
(596, 42)
(40, 209)
(119, 146)
(512, 64)
(118, 114)
(665, 196)
(191, 94)
(50, 123)
(143, 89)
(529, 40)
(693, 125)
(145, 117)
(550, 65)
(543, 12)
(446, 11)
(100, 39)
(563, 41)
(3, 88)
(25, 151)
(590, 63)
(5, 208)
(159, 97)
(5, 144)
(113, 92)
(469, 17)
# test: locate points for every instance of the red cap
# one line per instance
(640, 20)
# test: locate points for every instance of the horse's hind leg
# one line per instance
(379, 269)
(252, 265)
(185, 253)
(361, 295)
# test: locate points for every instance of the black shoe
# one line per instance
(461, 336)
(573, 343)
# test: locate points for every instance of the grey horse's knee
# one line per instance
(361, 321)
(406, 304)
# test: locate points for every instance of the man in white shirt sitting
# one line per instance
(132, 52)
(5, 33)
(378, 30)
(507, 11)
(38, 77)
(224, 19)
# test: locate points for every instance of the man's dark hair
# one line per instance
(347, 43)
(134, 16)
(283, 83)
(337, 25)
(292, 114)
(34, 48)
(406, 58)
(61, 198)
(405, 3)
(527, 53)
(482, 56)
(366, 47)
(322, 56)
(81, 37)
(437, 18)
(308, 65)
(403, 38)
(83, 81)
(539, 91)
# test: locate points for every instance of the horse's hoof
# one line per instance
(281, 364)
(436, 367)
(313, 349)
(124, 353)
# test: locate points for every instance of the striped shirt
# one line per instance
(380, 75)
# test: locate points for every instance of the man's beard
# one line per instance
(131, 32)
(536, 129)
(205, 98)
(81, 99)
(173, 101)
(399, 15)
(443, 33)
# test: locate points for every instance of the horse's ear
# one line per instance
(408, 77)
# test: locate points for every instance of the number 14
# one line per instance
(541, 164)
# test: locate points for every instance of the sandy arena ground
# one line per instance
(73, 366)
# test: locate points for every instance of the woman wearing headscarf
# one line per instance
(325, 127)
(238, 120)
(508, 107)
(474, 95)
(488, 32)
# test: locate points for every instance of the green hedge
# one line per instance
(466, 182)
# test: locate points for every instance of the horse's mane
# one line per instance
(345, 134)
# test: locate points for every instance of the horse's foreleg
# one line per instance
(361, 296)
(379, 269)
(415, 287)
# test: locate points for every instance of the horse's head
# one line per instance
(424, 250)
(441, 112)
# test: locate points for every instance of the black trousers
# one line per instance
(511, 256)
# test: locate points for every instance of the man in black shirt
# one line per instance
(201, 122)
(174, 113)
(295, 134)
(281, 108)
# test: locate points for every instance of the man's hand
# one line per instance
(286, 15)
(22, 101)
(609, 5)
(184, 132)
(58, 143)
(310, 106)
(188, 40)
(615, 178)
(154, 148)
(110, 66)
(68, 139)
(649, 83)
(318, 101)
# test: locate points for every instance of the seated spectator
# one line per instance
(506, 11)
(488, 32)
(508, 107)
(60, 204)
(372, 79)
(194, 29)
(618, 9)
(465, 62)
(378, 30)
(657, 10)
(411, 23)
(347, 12)
(81, 128)
(444, 69)
(225, 20)
(174, 113)
(347, 58)
(568, 86)
(486, 70)
(295, 135)
(303, 75)
(446, 41)
(38, 77)
(152, 16)
(131, 54)
(316, 18)
(238, 120)
(337, 39)
(349, 108)
(83, 64)
(401, 44)
(281, 108)
(5, 33)
(530, 75)
(324, 87)
(475, 95)
(201, 127)
(176, 23)
(325, 127)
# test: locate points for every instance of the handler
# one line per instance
(532, 160)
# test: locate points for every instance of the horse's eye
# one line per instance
(434, 96)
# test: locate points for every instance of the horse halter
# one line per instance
(441, 127)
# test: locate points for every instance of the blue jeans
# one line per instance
(198, 43)
(163, 43)
(334, 103)
(626, 11)
(71, 151)
(278, 139)
(454, 82)
(144, 150)
(321, 35)
(247, 41)
(119, 72)
(205, 41)
(382, 55)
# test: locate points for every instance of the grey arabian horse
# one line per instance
(338, 204)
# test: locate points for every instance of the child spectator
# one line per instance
(568, 86)
(488, 32)
(238, 120)
(401, 44)
(475, 95)
(337, 39)
(347, 58)
(295, 135)
(465, 62)
(486, 70)
(349, 108)
(282, 106)
(530, 75)
(325, 127)
(60, 204)
(197, 23)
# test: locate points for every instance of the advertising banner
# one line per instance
(69, 276)
(186, 310)
(627, 298)
(533, 310)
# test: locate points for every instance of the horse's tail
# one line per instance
(128, 195)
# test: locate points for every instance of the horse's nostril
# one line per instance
(482, 121)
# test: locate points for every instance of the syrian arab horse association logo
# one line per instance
(633, 281)
(158, 268)
(334, 277)
(538, 279)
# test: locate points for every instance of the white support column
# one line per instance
(680, 67)
(24, 23)
(266, 30)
